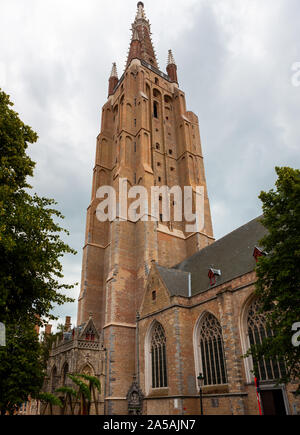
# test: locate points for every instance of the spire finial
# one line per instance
(114, 72)
(141, 46)
(172, 67)
(171, 60)
(140, 13)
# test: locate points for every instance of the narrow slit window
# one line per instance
(155, 109)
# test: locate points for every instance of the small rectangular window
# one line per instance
(155, 110)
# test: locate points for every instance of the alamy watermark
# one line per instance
(295, 79)
(186, 204)
(296, 336)
(2, 335)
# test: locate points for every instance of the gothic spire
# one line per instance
(141, 46)
(113, 79)
(135, 35)
(114, 72)
(171, 60)
(172, 67)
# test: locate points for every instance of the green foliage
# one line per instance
(50, 398)
(21, 368)
(30, 270)
(30, 244)
(46, 343)
(67, 390)
(82, 386)
(93, 381)
(82, 395)
(278, 272)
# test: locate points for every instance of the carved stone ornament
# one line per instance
(135, 399)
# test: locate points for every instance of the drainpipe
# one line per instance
(190, 284)
(105, 380)
(137, 347)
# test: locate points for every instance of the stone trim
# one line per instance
(120, 325)
(95, 245)
(242, 394)
(115, 398)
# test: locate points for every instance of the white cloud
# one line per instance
(234, 63)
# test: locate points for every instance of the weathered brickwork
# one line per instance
(179, 317)
(148, 137)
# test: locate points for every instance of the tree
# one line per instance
(30, 269)
(21, 367)
(70, 396)
(278, 272)
(30, 243)
(48, 399)
(83, 393)
(47, 342)
(94, 386)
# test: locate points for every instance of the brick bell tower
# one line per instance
(148, 137)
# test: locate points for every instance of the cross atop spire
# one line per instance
(143, 49)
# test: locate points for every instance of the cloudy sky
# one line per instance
(235, 63)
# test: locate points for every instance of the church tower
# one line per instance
(148, 138)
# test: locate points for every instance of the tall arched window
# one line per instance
(265, 369)
(54, 379)
(212, 359)
(158, 357)
(64, 374)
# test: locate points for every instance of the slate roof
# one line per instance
(232, 254)
(176, 281)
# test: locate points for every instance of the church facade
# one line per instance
(158, 305)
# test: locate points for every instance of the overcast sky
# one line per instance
(235, 60)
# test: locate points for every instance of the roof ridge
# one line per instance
(216, 242)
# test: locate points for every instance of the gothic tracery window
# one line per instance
(90, 335)
(54, 379)
(64, 374)
(266, 369)
(212, 351)
(158, 357)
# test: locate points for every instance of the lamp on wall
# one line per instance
(200, 379)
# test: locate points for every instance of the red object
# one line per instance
(212, 277)
(257, 253)
(256, 381)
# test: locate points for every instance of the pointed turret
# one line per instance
(172, 67)
(113, 79)
(141, 46)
